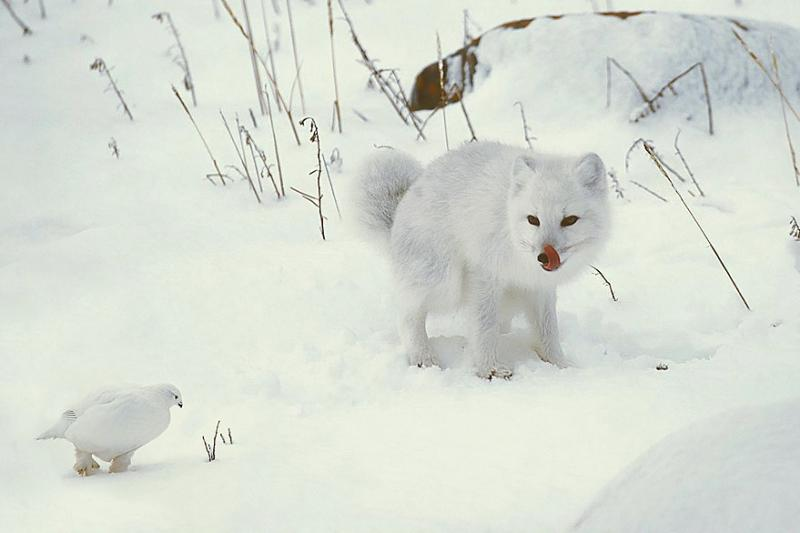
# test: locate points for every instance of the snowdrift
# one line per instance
(734, 472)
(562, 59)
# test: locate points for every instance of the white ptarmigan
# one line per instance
(113, 423)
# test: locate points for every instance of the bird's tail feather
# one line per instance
(60, 427)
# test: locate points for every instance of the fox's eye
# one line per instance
(532, 220)
(568, 221)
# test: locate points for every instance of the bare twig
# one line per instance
(649, 190)
(360, 115)
(525, 130)
(442, 92)
(181, 60)
(605, 280)
(460, 92)
(618, 190)
(611, 61)
(256, 75)
(112, 145)
(792, 152)
(197, 129)
(794, 229)
(42, 11)
(211, 449)
(254, 149)
(230, 437)
(315, 200)
(260, 59)
(657, 161)
(764, 69)
(636, 143)
(275, 147)
(25, 28)
(336, 101)
(274, 78)
(296, 58)
(686, 163)
(100, 66)
(240, 153)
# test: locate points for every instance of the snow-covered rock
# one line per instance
(736, 472)
(561, 61)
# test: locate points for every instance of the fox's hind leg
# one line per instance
(411, 326)
(541, 312)
(85, 464)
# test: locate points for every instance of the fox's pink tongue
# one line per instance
(553, 259)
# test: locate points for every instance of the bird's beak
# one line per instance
(180, 404)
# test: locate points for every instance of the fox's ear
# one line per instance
(591, 172)
(521, 171)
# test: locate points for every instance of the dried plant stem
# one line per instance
(376, 74)
(636, 143)
(296, 58)
(254, 149)
(211, 450)
(275, 146)
(794, 229)
(525, 129)
(183, 63)
(425, 123)
(786, 130)
(657, 161)
(316, 201)
(651, 102)
(256, 75)
(42, 11)
(686, 163)
(460, 91)
(649, 190)
(611, 61)
(764, 69)
(25, 29)
(336, 101)
(443, 94)
(605, 280)
(274, 79)
(230, 437)
(197, 129)
(100, 66)
(279, 96)
(240, 153)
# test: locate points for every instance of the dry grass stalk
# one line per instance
(764, 69)
(219, 173)
(315, 200)
(442, 92)
(25, 28)
(792, 152)
(460, 92)
(260, 59)
(112, 145)
(256, 75)
(644, 188)
(275, 146)
(611, 61)
(42, 11)
(100, 66)
(211, 449)
(686, 163)
(653, 105)
(657, 161)
(525, 129)
(383, 83)
(618, 190)
(296, 58)
(605, 280)
(274, 79)
(794, 229)
(255, 149)
(336, 101)
(180, 59)
(240, 154)
(636, 143)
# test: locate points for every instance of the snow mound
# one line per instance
(562, 61)
(735, 472)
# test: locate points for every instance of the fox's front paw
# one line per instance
(496, 370)
(423, 359)
(554, 357)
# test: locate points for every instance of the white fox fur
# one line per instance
(461, 235)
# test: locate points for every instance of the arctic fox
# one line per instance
(490, 228)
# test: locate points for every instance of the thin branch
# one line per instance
(793, 154)
(605, 280)
(611, 61)
(296, 59)
(649, 190)
(763, 68)
(686, 163)
(100, 66)
(336, 101)
(317, 201)
(275, 147)
(460, 92)
(442, 92)
(657, 161)
(188, 81)
(25, 28)
(794, 229)
(197, 129)
(256, 75)
(525, 129)
(274, 79)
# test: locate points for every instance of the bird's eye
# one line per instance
(532, 220)
(568, 221)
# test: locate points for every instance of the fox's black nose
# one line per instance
(542, 258)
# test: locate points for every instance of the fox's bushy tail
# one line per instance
(383, 180)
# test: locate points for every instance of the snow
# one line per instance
(735, 472)
(139, 270)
